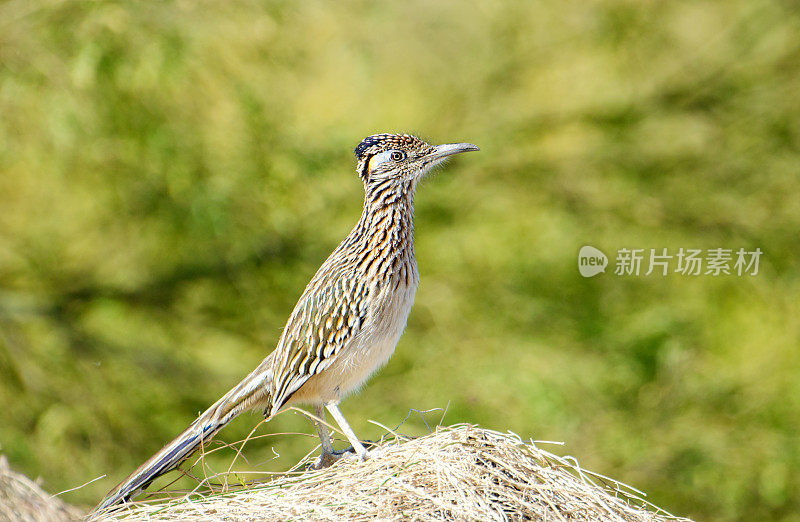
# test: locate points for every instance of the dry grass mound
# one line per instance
(458, 472)
(21, 499)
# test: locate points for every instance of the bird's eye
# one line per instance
(398, 155)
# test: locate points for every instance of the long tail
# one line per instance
(251, 392)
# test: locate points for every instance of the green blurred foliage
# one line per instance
(172, 174)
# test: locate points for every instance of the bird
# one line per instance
(347, 321)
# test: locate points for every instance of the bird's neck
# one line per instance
(389, 212)
(391, 194)
(386, 228)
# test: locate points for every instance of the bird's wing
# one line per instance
(330, 313)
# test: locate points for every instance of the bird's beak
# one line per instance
(440, 152)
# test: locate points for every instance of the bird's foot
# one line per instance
(323, 461)
(328, 459)
(365, 450)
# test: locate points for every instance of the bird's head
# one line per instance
(401, 157)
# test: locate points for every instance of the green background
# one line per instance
(173, 173)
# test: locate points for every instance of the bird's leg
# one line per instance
(359, 448)
(327, 457)
(322, 429)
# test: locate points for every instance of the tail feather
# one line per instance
(251, 392)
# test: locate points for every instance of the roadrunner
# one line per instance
(348, 320)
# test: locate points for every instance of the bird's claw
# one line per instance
(328, 459)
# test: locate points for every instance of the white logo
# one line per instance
(591, 261)
(685, 261)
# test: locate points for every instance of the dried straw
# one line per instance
(21, 499)
(460, 472)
